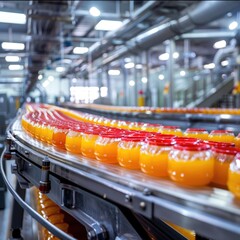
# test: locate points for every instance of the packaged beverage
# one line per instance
(59, 136)
(173, 130)
(233, 182)
(154, 156)
(237, 141)
(129, 151)
(191, 164)
(150, 127)
(223, 156)
(135, 125)
(198, 133)
(221, 136)
(74, 140)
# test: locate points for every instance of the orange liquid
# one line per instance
(202, 136)
(31, 127)
(88, 145)
(190, 235)
(59, 138)
(193, 173)
(43, 133)
(220, 173)
(171, 132)
(221, 138)
(49, 134)
(106, 150)
(237, 141)
(24, 123)
(129, 157)
(154, 163)
(73, 142)
(234, 182)
(37, 131)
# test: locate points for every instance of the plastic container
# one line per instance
(74, 140)
(221, 136)
(154, 157)
(106, 147)
(198, 133)
(129, 151)
(172, 130)
(59, 136)
(149, 127)
(237, 141)
(191, 164)
(223, 156)
(233, 182)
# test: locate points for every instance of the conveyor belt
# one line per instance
(211, 212)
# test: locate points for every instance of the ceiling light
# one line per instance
(161, 77)
(219, 44)
(74, 80)
(40, 77)
(144, 80)
(127, 59)
(94, 12)
(80, 50)
(131, 83)
(182, 73)
(12, 59)
(164, 57)
(175, 55)
(114, 72)
(46, 83)
(233, 25)
(129, 65)
(209, 66)
(10, 17)
(15, 67)
(67, 61)
(108, 25)
(13, 46)
(60, 69)
(138, 66)
(50, 78)
(224, 63)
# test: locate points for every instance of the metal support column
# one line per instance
(146, 70)
(99, 82)
(170, 72)
(186, 53)
(136, 80)
(125, 84)
(109, 87)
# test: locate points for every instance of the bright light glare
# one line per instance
(51, 78)
(165, 56)
(131, 83)
(138, 66)
(129, 65)
(108, 25)
(94, 12)
(15, 67)
(80, 50)
(209, 66)
(13, 46)
(60, 69)
(182, 73)
(224, 63)
(10, 17)
(127, 59)
(114, 72)
(40, 77)
(74, 80)
(46, 83)
(175, 55)
(233, 25)
(12, 59)
(161, 77)
(144, 80)
(219, 44)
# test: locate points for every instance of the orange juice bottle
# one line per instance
(129, 151)
(135, 125)
(237, 140)
(106, 147)
(150, 127)
(233, 181)
(221, 136)
(198, 133)
(223, 156)
(191, 164)
(73, 140)
(59, 136)
(154, 156)
(173, 130)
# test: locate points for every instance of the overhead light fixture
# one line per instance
(13, 46)
(138, 66)
(12, 59)
(209, 66)
(182, 73)
(50, 78)
(131, 83)
(233, 25)
(95, 12)
(108, 25)
(74, 80)
(114, 72)
(15, 67)
(144, 80)
(46, 83)
(67, 61)
(127, 59)
(40, 77)
(224, 63)
(220, 44)
(161, 77)
(165, 56)
(80, 50)
(60, 69)
(129, 65)
(175, 55)
(10, 17)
